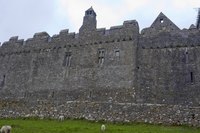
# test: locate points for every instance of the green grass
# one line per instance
(82, 126)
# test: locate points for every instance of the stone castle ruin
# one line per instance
(117, 74)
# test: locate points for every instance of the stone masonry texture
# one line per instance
(117, 74)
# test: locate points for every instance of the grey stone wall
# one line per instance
(108, 111)
(169, 75)
(69, 63)
(116, 74)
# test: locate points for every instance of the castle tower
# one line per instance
(89, 21)
(198, 19)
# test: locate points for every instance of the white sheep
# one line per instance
(61, 118)
(103, 128)
(6, 129)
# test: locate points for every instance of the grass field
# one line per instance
(82, 126)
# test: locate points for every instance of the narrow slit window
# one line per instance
(3, 81)
(90, 94)
(191, 77)
(67, 59)
(101, 56)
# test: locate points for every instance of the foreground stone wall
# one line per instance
(109, 111)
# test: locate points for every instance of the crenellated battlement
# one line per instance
(42, 40)
(162, 27)
(184, 38)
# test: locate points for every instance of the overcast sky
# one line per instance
(23, 18)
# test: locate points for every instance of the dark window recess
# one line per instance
(101, 56)
(3, 81)
(161, 20)
(51, 95)
(89, 12)
(67, 59)
(90, 94)
(191, 77)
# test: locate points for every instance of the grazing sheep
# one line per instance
(5, 129)
(61, 118)
(103, 128)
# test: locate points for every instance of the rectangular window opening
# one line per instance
(101, 56)
(67, 59)
(117, 53)
(90, 94)
(191, 77)
(3, 81)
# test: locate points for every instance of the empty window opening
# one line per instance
(161, 20)
(117, 53)
(191, 77)
(67, 59)
(90, 94)
(2, 82)
(101, 56)
(52, 94)
(89, 12)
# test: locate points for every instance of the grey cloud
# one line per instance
(25, 17)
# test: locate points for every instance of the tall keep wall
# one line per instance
(168, 70)
(38, 68)
(168, 64)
